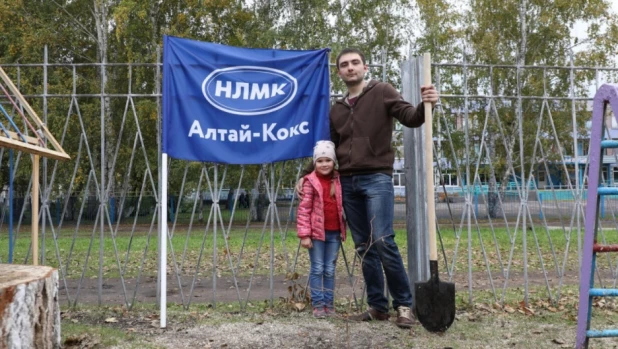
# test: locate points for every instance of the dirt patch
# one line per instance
(226, 289)
(540, 325)
(480, 327)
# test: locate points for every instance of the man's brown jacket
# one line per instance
(363, 133)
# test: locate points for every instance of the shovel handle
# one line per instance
(431, 205)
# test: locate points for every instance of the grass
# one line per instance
(92, 335)
(140, 251)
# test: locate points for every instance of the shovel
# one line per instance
(434, 299)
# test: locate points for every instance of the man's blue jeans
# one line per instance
(369, 203)
(323, 256)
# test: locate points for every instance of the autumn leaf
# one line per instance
(509, 309)
(299, 306)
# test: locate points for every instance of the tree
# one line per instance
(101, 31)
(540, 33)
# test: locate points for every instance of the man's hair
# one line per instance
(345, 51)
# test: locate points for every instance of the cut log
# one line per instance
(29, 310)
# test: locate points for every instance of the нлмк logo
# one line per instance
(249, 90)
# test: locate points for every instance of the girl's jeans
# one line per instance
(323, 256)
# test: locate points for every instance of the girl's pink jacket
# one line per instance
(310, 216)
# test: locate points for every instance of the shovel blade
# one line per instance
(435, 304)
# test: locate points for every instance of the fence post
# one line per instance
(112, 209)
(416, 208)
(58, 211)
(540, 205)
(171, 208)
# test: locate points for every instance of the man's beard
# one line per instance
(352, 83)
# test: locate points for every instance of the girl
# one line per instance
(321, 227)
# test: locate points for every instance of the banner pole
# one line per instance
(163, 243)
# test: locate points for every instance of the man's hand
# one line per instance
(299, 188)
(429, 94)
(306, 243)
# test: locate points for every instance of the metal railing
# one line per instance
(108, 194)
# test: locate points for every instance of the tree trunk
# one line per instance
(29, 310)
(102, 26)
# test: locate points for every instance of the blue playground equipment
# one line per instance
(607, 94)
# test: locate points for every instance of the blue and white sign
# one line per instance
(242, 106)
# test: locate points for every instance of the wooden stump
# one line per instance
(29, 310)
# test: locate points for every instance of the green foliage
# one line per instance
(131, 31)
(525, 33)
(488, 31)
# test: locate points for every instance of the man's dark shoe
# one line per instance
(369, 315)
(404, 317)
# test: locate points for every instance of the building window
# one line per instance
(541, 176)
(605, 178)
(399, 179)
(452, 180)
(583, 150)
(396, 179)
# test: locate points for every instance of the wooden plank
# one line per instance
(30, 111)
(29, 139)
(32, 149)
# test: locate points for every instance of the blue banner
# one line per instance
(242, 106)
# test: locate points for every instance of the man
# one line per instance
(361, 126)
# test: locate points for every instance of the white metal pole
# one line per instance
(163, 243)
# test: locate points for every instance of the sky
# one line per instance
(579, 30)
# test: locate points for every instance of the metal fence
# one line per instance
(99, 211)
(542, 204)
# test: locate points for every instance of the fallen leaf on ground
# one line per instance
(485, 307)
(110, 320)
(83, 341)
(528, 311)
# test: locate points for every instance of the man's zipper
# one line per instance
(352, 123)
(352, 133)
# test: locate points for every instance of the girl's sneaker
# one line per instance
(319, 313)
(330, 311)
